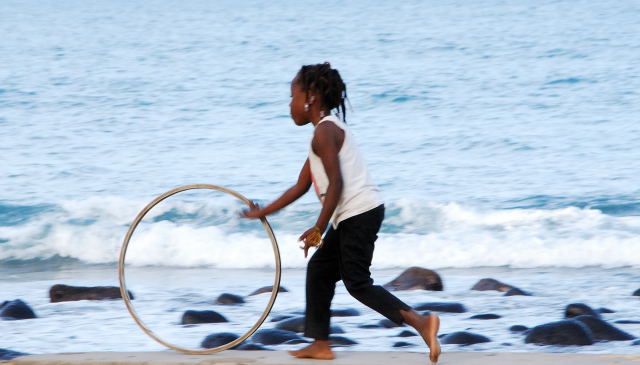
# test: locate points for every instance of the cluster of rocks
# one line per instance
(581, 324)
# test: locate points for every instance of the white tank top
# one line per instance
(359, 193)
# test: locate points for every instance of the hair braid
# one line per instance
(327, 83)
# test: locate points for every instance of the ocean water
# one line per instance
(504, 137)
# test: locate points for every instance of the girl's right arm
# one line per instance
(288, 197)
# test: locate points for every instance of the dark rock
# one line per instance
(229, 299)
(274, 336)
(506, 344)
(268, 289)
(8, 354)
(516, 291)
(416, 278)
(194, 317)
(636, 343)
(441, 307)
(296, 324)
(518, 328)
(296, 341)
(485, 316)
(281, 318)
(66, 293)
(579, 309)
(341, 341)
(349, 312)
(491, 284)
(605, 310)
(386, 323)
(464, 338)
(369, 326)
(249, 346)
(603, 331)
(626, 321)
(406, 333)
(218, 339)
(402, 344)
(636, 293)
(567, 332)
(15, 310)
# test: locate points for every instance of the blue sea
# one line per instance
(503, 135)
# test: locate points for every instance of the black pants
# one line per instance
(346, 254)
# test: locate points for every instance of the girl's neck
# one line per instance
(317, 116)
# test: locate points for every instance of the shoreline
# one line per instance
(343, 358)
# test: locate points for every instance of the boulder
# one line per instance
(579, 309)
(627, 321)
(349, 312)
(229, 299)
(273, 336)
(195, 317)
(635, 343)
(485, 316)
(268, 289)
(386, 323)
(516, 291)
(416, 278)
(636, 293)
(15, 310)
(566, 332)
(296, 324)
(402, 344)
(406, 333)
(441, 307)
(249, 346)
(518, 328)
(341, 341)
(218, 339)
(464, 338)
(605, 310)
(281, 317)
(491, 284)
(8, 354)
(67, 293)
(603, 331)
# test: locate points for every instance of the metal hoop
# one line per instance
(125, 293)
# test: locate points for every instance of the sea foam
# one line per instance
(193, 234)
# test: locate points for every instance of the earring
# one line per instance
(306, 107)
(322, 114)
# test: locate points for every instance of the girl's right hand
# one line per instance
(254, 212)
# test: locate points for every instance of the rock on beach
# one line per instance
(15, 310)
(229, 299)
(268, 289)
(67, 293)
(195, 317)
(416, 278)
(579, 309)
(566, 332)
(464, 338)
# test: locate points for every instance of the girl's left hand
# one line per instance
(312, 237)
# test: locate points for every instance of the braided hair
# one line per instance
(327, 83)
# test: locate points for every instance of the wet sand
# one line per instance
(343, 358)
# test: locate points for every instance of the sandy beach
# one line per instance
(343, 358)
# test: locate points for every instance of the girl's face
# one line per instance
(298, 100)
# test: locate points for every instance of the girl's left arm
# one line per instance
(327, 140)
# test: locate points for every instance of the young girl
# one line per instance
(351, 203)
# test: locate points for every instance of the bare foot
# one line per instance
(428, 327)
(319, 350)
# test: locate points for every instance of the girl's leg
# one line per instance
(357, 237)
(322, 274)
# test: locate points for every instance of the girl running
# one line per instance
(351, 204)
